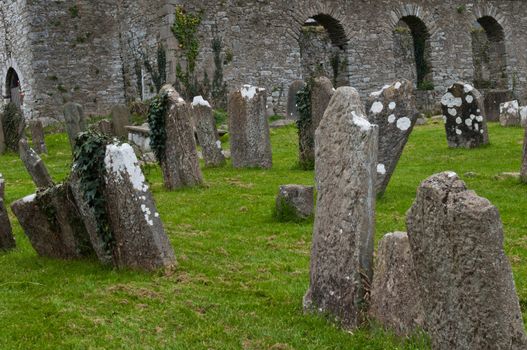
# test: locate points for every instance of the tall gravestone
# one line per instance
(38, 136)
(249, 128)
(523, 172)
(34, 165)
(74, 121)
(292, 109)
(464, 278)
(3, 146)
(120, 116)
(342, 253)
(7, 241)
(510, 113)
(207, 133)
(181, 164)
(464, 114)
(394, 110)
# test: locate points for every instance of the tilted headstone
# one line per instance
(181, 164)
(249, 129)
(394, 302)
(523, 116)
(394, 110)
(465, 123)
(38, 137)
(74, 120)
(523, 172)
(34, 165)
(292, 109)
(321, 91)
(463, 276)
(510, 113)
(120, 116)
(296, 201)
(207, 133)
(342, 253)
(7, 241)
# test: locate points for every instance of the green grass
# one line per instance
(241, 276)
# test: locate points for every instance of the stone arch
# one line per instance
(12, 87)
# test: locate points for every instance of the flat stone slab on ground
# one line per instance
(296, 200)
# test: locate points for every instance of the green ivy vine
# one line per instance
(13, 124)
(304, 123)
(156, 121)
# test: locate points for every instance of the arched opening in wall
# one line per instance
(12, 86)
(412, 52)
(489, 55)
(323, 49)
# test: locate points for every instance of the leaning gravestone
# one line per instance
(7, 241)
(207, 133)
(34, 165)
(394, 302)
(292, 109)
(510, 113)
(342, 254)
(74, 120)
(120, 116)
(296, 201)
(464, 114)
(249, 129)
(464, 278)
(320, 90)
(394, 110)
(37, 135)
(181, 164)
(523, 173)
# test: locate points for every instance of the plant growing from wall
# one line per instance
(156, 121)
(219, 87)
(13, 124)
(304, 123)
(159, 76)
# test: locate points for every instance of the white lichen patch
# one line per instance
(30, 198)
(392, 105)
(398, 85)
(451, 174)
(218, 144)
(147, 212)
(469, 98)
(200, 101)
(468, 122)
(452, 112)
(361, 122)
(391, 118)
(120, 160)
(381, 169)
(377, 107)
(404, 123)
(467, 88)
(458, 131)
(479, 118)
(459, 120)
(379, 93)
(248, 91)
(450, 100)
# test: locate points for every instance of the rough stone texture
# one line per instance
(296, 197)
(321, 92)
(140, 137)
(207, 133)
(342, 254)
(465, 123)
(523, 116)
(294, 88)
(249, 128)
(181, 166)
(394, 302)
(74, 120)
(510, 113)
(394, 110)
(493, 101)
(7, 241)
(2, 186)
(38, 136)
(34, 165)
(523, 172)
(105, 127)
(120, 116)
(3, 146)
(464, 278)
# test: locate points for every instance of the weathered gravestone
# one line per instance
(510, 113)
(38, 137)
(523, 116)
(34, 165)
(463, 276)
(3, 146)
(492, 101)
(104, 127)
(2, 186)
(394, 302)
(207, 133)
(120, 116)
(294, 202)
(523, 172)
(465, 123)
(7, 241)
(249, 128)
(342, 253)
(394, 110)
(320, 91)
(181, 164)
(292, 109)
(74, 120)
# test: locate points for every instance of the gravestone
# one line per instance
(394, 302)
(394, 110)
(292, 110)
(465, 123)
(120, 116)
(207, 133)
(74, 121)
(38, 137)
(492, 101)
(510, 113)
(523, 172)
(523, 116)
(2, 186)
(181, 164)
(7, 241)
(321, 92)
(342, 253)
(295, 200)
(249, 129)
(34, 165)
(3, 145)
(463, 276)
(104, 127)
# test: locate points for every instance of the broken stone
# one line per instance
(34, 165)
(394, 110)
(37, 135)
(394, 302)
(342, 254)
(74, 120)
(463, 276)
(295, 201)
(510, 113)
(292, 110)
(465, 123)
(207, 133)
(120, 116)
(249, 129)
(524, 161)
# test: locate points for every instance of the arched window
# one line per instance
(13, 91)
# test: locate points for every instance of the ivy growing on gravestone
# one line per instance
(219, 87)
(13, 124)
(304, 123)
(156, 121)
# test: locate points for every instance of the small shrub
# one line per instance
(426, 85)
(220, 116)
(13, 124)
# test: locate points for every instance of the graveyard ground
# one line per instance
(241, 276)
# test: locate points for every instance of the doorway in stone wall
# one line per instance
(13, 91)
(323, 49)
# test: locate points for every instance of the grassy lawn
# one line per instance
(241, 276)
